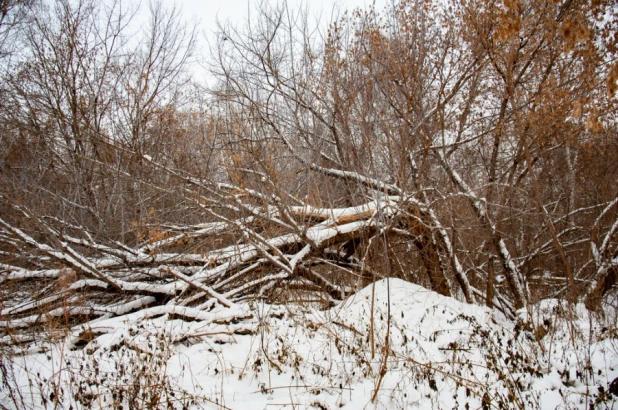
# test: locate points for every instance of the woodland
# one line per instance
(466, 147)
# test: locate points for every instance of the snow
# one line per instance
(16, 273)
(336, 213)
(441, 353)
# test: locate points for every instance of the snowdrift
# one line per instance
(392, 345)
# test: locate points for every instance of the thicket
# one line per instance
(468, 147)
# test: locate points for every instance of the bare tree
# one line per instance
(450, 146)
(12, 15)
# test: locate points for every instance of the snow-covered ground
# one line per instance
(431, 352)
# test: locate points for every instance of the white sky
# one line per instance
(208, 12)
(235, 11)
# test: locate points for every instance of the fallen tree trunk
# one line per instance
(249, 268)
